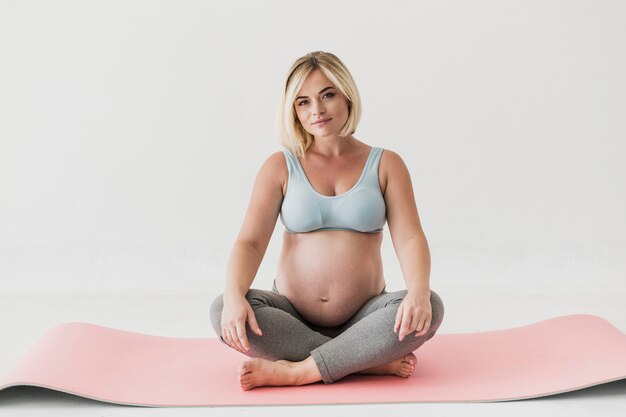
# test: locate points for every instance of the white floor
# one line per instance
(25, 316)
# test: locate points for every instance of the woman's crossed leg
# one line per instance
(292, 351)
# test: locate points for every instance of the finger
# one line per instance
(396, 325)
(415, 323)
(424, 329)
(419, 324)
(227, 338)
(406, 322)
(232, 338)
(242, 336)
(254, 325)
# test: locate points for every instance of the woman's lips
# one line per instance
(323, 122)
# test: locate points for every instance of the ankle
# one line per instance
(306, 372)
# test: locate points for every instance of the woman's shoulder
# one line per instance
(387, 154)
(391, 166)
(275, 162)
(274, 168)
(390, 157)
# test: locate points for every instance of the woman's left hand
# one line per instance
(414, 314)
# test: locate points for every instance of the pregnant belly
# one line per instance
(328, 275)
(328, 308)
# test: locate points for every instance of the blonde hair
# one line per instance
(291, 134)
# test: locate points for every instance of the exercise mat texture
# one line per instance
(557, 355)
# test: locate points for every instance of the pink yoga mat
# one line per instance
(548, 357)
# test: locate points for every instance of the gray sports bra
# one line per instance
(361, 208)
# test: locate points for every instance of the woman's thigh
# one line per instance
(286, 335)
(393, 300)
(258, 298)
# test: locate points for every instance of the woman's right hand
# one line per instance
(236, 312)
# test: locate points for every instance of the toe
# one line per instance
(405, 369)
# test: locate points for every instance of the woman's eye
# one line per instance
(327, 94)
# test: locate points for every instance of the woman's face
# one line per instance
(318, 99)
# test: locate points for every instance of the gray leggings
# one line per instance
(365, 340)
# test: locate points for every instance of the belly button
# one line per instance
(324, 299)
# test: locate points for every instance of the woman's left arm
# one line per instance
(411, 246)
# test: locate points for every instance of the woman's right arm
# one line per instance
(249, 249)
(243, 263)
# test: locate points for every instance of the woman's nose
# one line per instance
(318, 109)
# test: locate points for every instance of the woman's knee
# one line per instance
(215, 313)
(256, 298)
(437, 310)
(436, 304)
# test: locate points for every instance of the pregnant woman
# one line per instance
(328, 314)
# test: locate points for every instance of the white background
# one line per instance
(131, 133)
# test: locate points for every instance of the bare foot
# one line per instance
(258, 372)
(403, 367)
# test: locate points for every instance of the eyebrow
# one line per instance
(321, 91)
